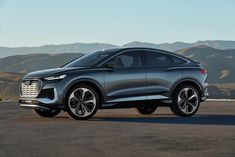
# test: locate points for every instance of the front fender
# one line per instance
(76, 81)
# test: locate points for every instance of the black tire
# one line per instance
(181, 110)
(146, 109)
(47, 113)
(76, 107)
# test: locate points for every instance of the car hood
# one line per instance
(51, 72)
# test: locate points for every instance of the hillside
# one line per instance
(9, 85)
(32, 62)
(219, 63)
(88, 47)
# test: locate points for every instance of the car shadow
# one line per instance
(195, 120)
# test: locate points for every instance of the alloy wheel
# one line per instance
(82, 102)
(188, 100)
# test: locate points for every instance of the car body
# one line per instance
(117, 78)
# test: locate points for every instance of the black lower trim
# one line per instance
(35, 102)
(133, 104)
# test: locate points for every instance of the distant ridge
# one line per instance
(54, 49)
(88, 47)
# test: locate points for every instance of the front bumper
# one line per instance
(39, 103)
(45, 99)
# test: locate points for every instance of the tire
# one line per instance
(146, 109)
(47, 113)
(186, 101)
(82, 102)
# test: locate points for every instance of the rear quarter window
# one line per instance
(156, 59)
(178, 60)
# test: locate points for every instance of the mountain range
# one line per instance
(220, 64)
(88, 47)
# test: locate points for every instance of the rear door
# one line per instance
(161, 74)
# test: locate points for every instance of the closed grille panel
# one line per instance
(30, 88)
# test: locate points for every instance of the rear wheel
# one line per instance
(47, 113)
(82, 102)
(186, 101)
(146, 109)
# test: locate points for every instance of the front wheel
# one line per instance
(146, 109)
(82, 102)
(47, 113)
(186, 101)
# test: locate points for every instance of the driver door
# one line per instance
(126, 79)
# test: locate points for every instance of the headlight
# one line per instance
(50, 78)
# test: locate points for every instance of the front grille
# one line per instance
(30, 88)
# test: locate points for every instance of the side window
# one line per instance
(157, 59)
(177, 60)
(127, 60)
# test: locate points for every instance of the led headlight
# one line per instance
(50, 78)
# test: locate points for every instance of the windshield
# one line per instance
(88, 60)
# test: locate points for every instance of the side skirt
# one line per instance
(134, 104)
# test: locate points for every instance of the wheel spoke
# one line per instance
(90, 101)
(185, 91)
(193, 96)
(83, 93)
(192, 104)
(187, 108)
(74, 102)
(78, 109)
(77, 94)
(181, 101)
(184, 105)
(72, 96)
(85, 110)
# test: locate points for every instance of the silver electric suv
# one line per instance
(141, 78)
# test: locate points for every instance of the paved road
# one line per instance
(119, 133)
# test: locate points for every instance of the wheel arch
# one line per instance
(89, 82)
(189, 81)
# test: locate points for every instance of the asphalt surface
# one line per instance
(119, 133)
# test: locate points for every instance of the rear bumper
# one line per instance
(205, 93)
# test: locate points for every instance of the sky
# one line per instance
(40, 22)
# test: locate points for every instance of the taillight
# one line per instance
(203, 71)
